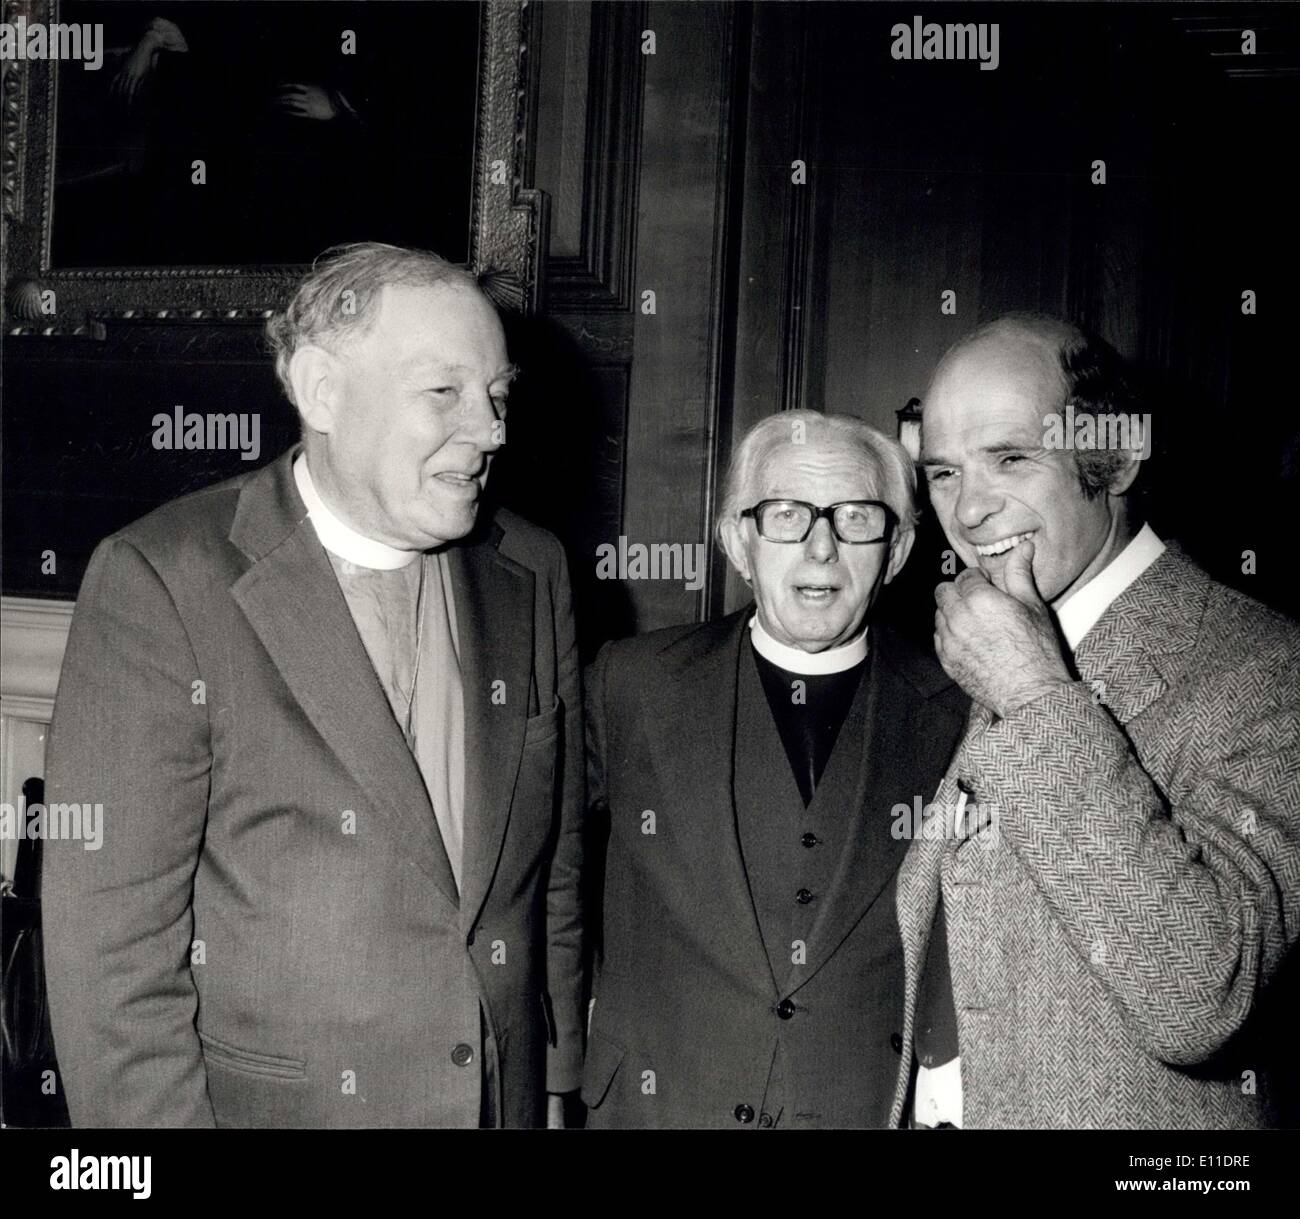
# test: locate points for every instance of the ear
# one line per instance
(1124, 477)
(733, 546)
(315, 375)
(899, 549)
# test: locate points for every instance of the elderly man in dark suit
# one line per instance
(751, 974)
(333, 717)
(1091, 938)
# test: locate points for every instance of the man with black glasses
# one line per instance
(751, 770)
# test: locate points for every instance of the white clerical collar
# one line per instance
(795, 660)
(341, 539)
(1080, 612)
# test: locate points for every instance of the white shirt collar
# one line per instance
(339, 538)
(794, 660)
(1080, 612)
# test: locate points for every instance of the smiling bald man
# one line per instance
(1091, 943)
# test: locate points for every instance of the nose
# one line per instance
(480, 423)
(820, 545)
(977, 501)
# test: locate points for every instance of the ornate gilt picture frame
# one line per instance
(506, 220)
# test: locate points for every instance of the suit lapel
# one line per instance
(494, 622)
(293, 602)
(902, 757)
(915, 900)
(917, 895)
(694, 752)
(1138, 647)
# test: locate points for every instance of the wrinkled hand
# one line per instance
(307, 102)
(995, 637)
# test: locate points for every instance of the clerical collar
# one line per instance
(341, 539)
(1079, 613)
(794, 660)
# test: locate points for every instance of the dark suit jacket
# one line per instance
(685, 989)
(261, 803)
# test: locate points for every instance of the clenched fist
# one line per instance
(995, 636)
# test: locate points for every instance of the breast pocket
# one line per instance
(980, 856)
(544, 727)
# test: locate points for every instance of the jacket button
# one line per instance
(804, 896)
(896, 1042)
(809, 840)
(785, 1009)
(765, 1121)
(744, 1114)
(462, 1055)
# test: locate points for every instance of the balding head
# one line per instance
(1062, 364)
(999, 463)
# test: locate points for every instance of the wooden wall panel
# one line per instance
(684, 237)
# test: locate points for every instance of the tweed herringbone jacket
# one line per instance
(1125, 878)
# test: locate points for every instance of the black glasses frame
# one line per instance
(891, 520)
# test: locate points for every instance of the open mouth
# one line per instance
(816, 592)
(988, 550)
(459, 482)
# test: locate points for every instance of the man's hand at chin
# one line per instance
(995, 636)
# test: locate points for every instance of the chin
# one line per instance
(1052, 585)
(815, 635)
(428, 535)
(453, 531)
(454, 519)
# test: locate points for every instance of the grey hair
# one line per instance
(338, 299)
(892, 471)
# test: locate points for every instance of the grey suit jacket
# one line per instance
(271, 934)
(1130, 883)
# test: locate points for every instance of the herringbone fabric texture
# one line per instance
(1112, 931)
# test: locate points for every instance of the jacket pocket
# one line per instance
(543, 727)
(604, 1057)
(251, 1061)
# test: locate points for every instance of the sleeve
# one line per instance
(564, 896)
(1182, 906)
(594, 687)
(129, 741)
(594, 690)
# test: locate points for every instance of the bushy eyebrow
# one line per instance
(1010, 446)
